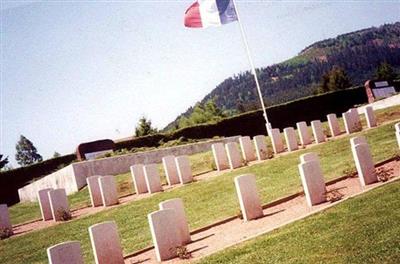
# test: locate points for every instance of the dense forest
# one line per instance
(359, 53)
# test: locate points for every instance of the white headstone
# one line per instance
(65, 253)
(165, 234)
(261, 147)
(139, 181)
(318, 131)
(370, 116)
(94, 190)
(171, 171)
(276, 140)
(291, 140)
(152, 177)
(313, 182)
(184, 170)
(249, 200)
(397, 128)
(333, 125)
(310, 156)
(364, 164)
(304, 135)
(235, 161)
(106, 243)
(108, 190)
(220, 157)
(44, 203)
(247, 147)
(58, 203)
(5, 217)
(180, 217)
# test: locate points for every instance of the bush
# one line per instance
(5, 233)
(12, 180)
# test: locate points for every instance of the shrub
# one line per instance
(384, 174)
(183, 253)
(63, 214)
(5, 232)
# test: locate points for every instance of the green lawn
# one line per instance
(27, 211)
(205, 201)
(364, 229)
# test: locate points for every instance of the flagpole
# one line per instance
(253, 69)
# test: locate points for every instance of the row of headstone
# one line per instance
(105, 243)
(5, 223)
(146, 178)
(102, 190)
(312, 178)
(168, 227)
(53, 204)
(352, 121)
(228, 156)
(292, 143)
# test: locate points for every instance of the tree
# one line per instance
(385, 72)
(26, 152)
(56, 154)
(202, 113)
(144, 127)
(335, 79)
(3, 162)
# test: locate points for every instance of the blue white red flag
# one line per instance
(206, 13)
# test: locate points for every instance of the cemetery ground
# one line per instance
(364, 229)
(205, 201)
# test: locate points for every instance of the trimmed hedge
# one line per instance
(252, 123)
(12, 180)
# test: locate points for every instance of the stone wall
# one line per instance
(73, 177)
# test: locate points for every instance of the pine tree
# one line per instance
(385, 72)
(335, 79)
(144, 128)
(26, 152)
(56, 154)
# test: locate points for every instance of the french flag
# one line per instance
(206, 13)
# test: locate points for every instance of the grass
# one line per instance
(364, 229)
(205, 201)
(28, 211)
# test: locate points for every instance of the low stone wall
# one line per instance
(64, 178)
(73, 177)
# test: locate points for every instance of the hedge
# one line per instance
(12, 180)
(252, 123)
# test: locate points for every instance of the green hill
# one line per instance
(359, 53)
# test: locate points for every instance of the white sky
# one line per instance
(75, 71)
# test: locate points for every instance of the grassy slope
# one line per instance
(364, 229)
(205, 201)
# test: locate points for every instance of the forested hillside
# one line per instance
(359, 53)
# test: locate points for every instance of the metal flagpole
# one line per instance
(253, 69)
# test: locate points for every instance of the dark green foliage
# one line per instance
(11, 180)
(357, 53)
(56, 154)
(202, 113)
(252, 123)
(3, 162)
(26, 152)
(335, 79)
(385, 72)
(144, 128)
